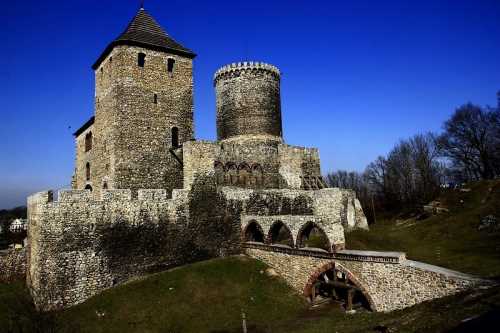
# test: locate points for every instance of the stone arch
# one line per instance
(280, 233)
(305, 231)
(219, 173)
(231, 174)
(253, 232)
(307, 291)
(244, 173)
(257, 175)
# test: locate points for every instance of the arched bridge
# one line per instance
(379, 281)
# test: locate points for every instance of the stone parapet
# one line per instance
(236, 68)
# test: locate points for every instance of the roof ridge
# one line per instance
(144, 31)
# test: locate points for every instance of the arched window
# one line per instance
(170, 65)
(175, 137)
(87, 171)
(141, 59)
(253, 233)
(219, 173)
(88, 141)
(243, 174)
(155, 98)
(258, 175)
(88, 187)
(231, 174)
(105, 186)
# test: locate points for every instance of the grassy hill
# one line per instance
(210, 296)
(450, 239)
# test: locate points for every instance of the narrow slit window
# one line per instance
(87, 171)
(155, 98)
(175, 137)
(88, 141)
(170, 65)
(141, 59)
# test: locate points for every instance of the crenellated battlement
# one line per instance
(119, 195)
(236, 68)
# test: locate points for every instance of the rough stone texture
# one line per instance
(248, 100)
(12, 264)
(296, 225)
(387, 286)
(131, 133)
(155, 204)
(80, 246)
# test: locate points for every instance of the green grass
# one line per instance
(210, 296)
(450, 240)
(202, 297)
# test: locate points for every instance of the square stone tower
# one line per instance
(143, 111)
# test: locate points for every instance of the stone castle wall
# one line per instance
(255, 162)
(387, 286)
(12, 265)
(80, 246)
(248, 100)
(82, 157)
(132, 132)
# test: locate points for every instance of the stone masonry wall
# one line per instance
(330, 205)
(248, 100)
(12, 265)
(132, 132)
(81, 159)
(80, 246)
(387, 286)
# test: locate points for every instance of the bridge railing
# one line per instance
(350, 255)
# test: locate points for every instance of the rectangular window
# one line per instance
(141, 59)
(170, 65)
(155, 99)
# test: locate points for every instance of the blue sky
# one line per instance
(357, 75)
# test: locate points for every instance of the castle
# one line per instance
(147, 196)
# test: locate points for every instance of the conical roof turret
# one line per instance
(145, 32)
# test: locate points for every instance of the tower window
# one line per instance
(170, 65)
(175, 137)
(88, 141)
(110, 60)
(141, 59)
(155, 99)
(87, 171)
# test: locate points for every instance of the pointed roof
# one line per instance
(145, 32)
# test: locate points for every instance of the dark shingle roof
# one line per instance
(145, 32)
(87, 124)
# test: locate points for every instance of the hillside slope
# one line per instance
(210, 296)
(451, 239)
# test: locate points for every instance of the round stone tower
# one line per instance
(248, 102)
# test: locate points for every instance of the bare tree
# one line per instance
(471, 141)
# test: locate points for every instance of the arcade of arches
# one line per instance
(243, 174)
(310, 235)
